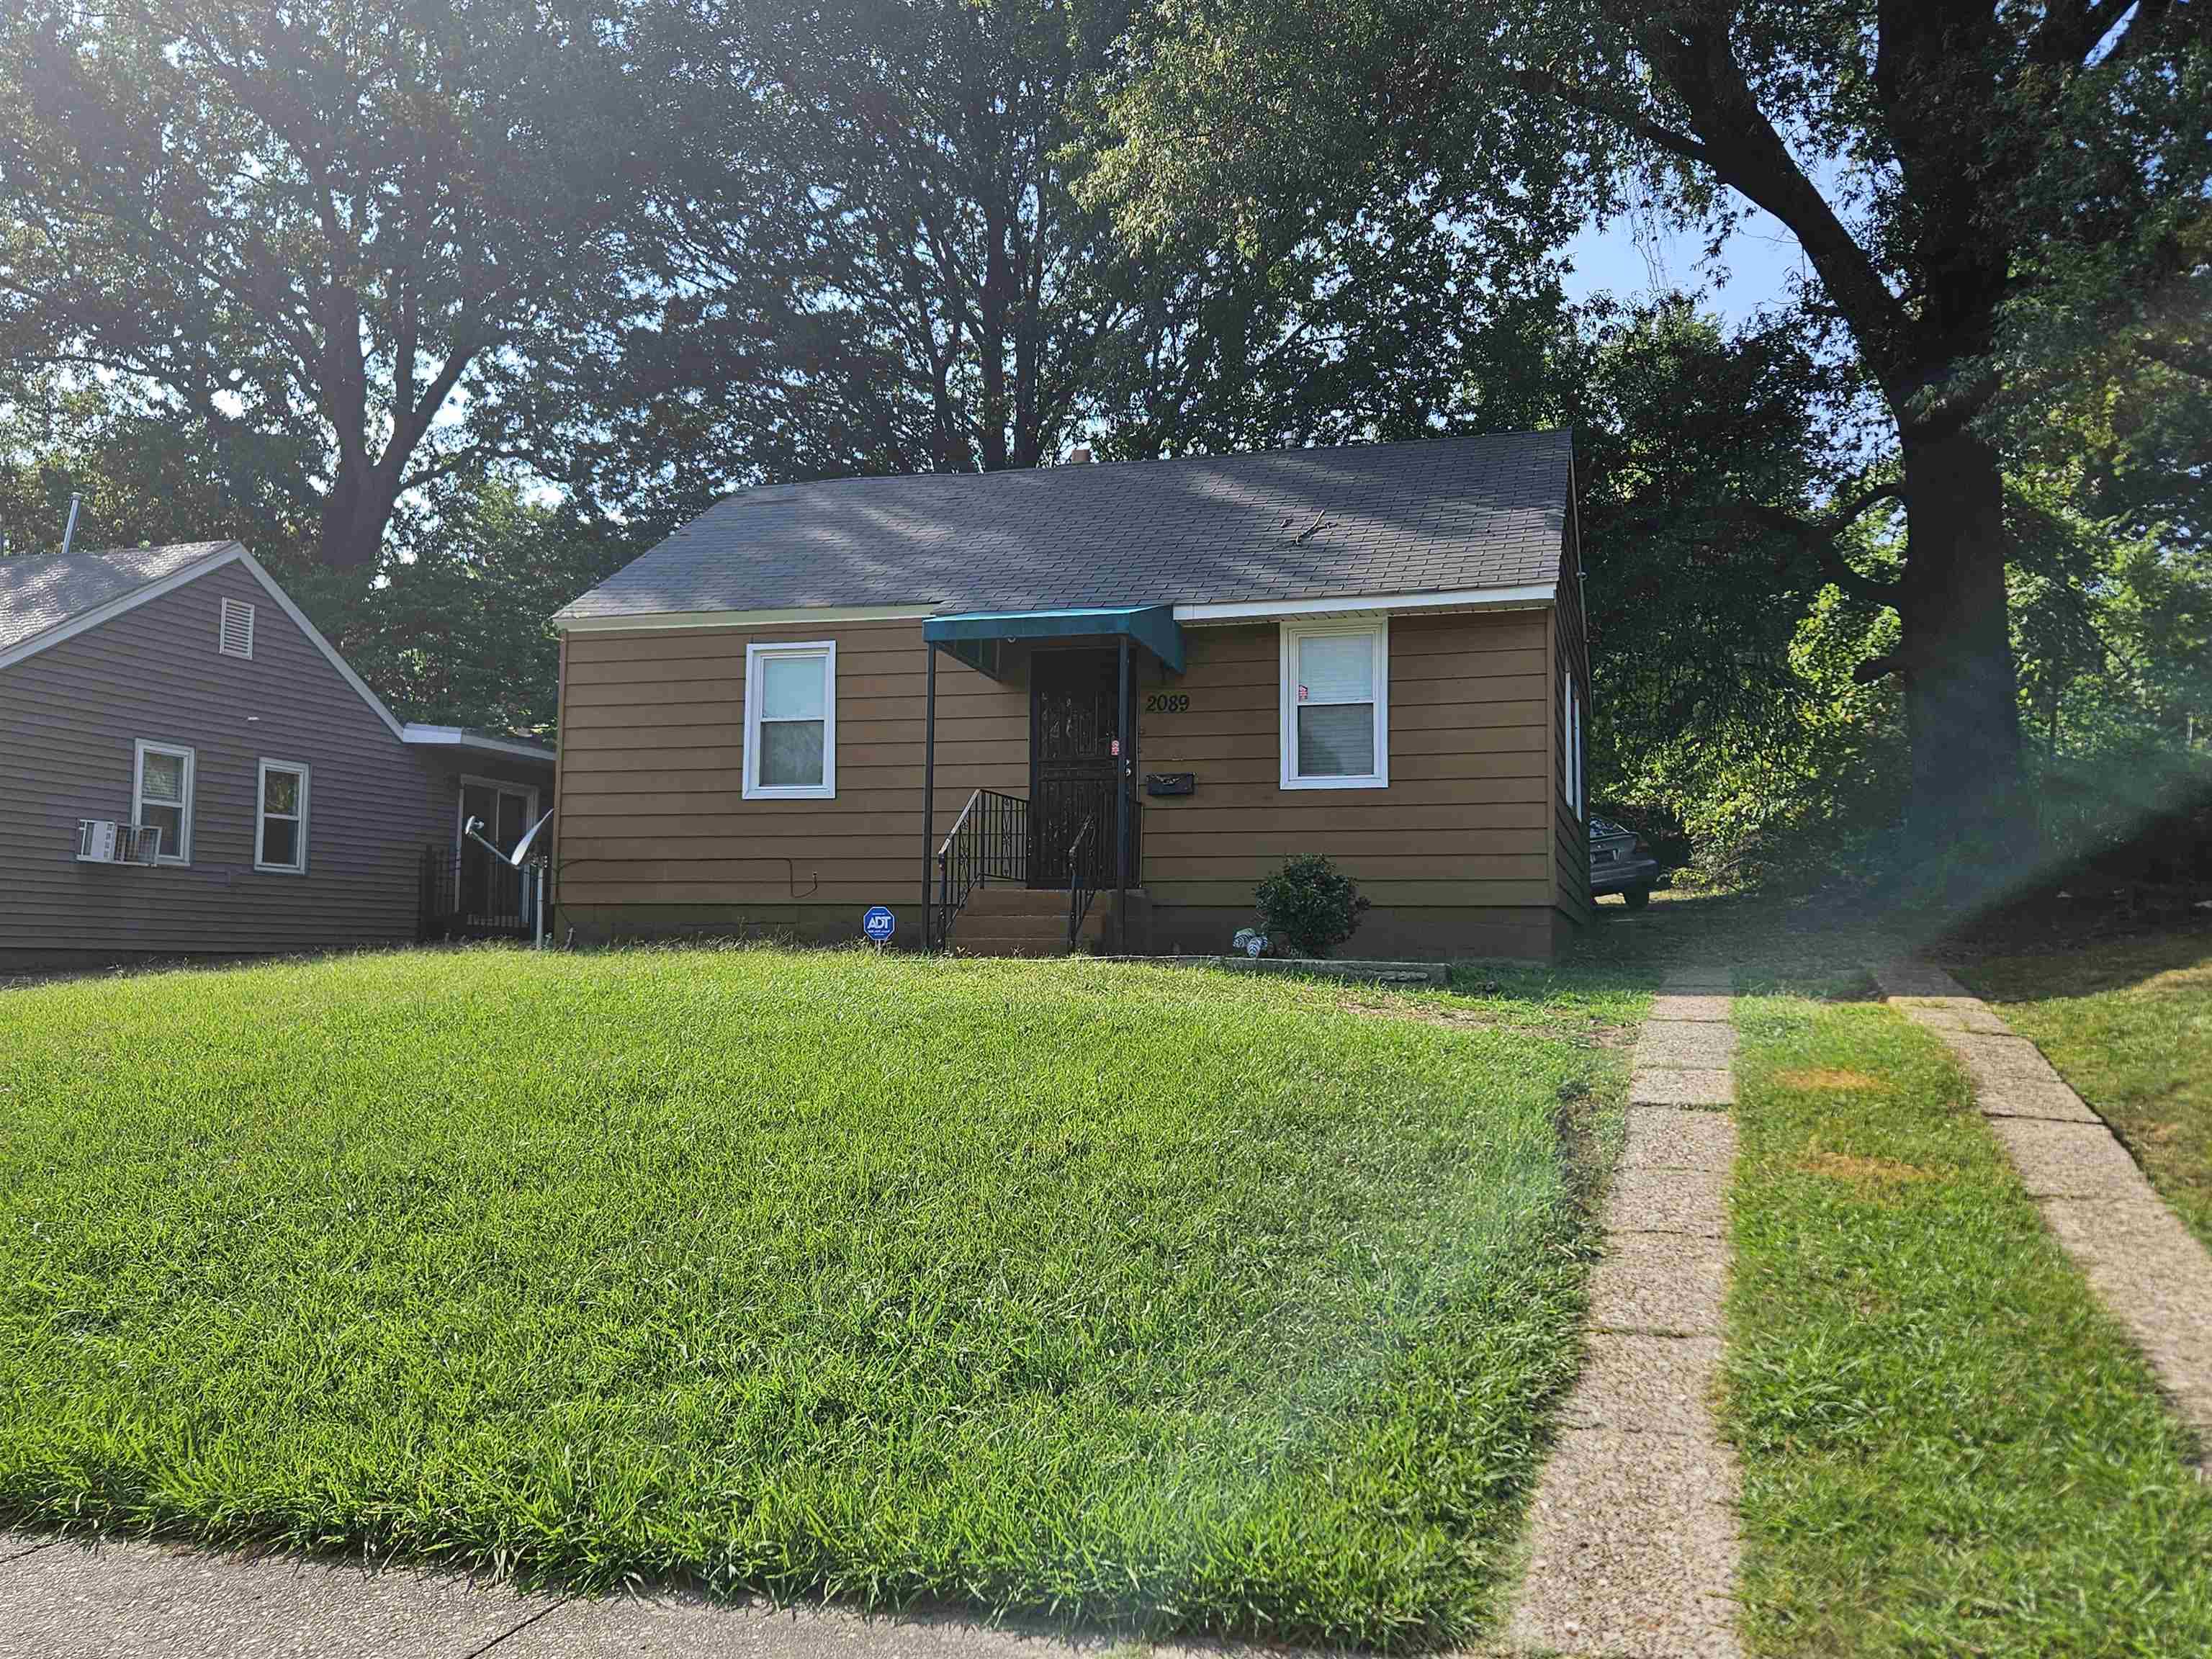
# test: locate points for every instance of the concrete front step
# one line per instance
(1016, 901)
(1021, 921)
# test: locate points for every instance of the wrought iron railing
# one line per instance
(1082, 880)
(464, 896)
(990, 841)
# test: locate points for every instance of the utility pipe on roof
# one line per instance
(70, 534)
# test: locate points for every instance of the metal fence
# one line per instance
(471, 895)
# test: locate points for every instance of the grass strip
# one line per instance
(2127, 1021)
(1946, 1448)
(1173, 1300)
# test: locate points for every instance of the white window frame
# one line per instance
(1376, 628)
(757, 655)
(182, 854)
(261, 814)
(1571, 715)
(223, 628)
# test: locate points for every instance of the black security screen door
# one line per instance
(1072, 765)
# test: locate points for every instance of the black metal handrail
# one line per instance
(990, 841)
(1079, 893)
(460, 895)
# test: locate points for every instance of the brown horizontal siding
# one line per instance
(1460, 825)
(652, 810)
(657, 836)
(68, 717)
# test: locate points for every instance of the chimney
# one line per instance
(1079, 456)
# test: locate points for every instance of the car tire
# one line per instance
(1637, 897)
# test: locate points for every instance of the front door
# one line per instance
(1071, 766)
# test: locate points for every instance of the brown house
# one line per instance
(187, 767)
(1104, 699)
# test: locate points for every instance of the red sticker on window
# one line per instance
(1302, 694)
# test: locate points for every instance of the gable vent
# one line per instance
(237, 634)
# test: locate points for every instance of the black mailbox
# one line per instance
(1170, 783)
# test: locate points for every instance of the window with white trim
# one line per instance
(162, 797)
(790, 721)
(1571, 707)
(1335, 725)
(280, 819)
(234, 634)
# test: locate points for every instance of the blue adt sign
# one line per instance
(878, 924)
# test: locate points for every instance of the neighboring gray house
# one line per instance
(186, 766)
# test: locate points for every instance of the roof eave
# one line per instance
(478, 743)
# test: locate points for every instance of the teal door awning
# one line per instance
(973, 634)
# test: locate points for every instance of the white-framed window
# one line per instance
(790, 721)
(1335, 725)
(161, 796)
(233, 635)
(1571, 704)
(280, 818)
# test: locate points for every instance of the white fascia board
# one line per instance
(115, 607)
(913, 610)
(1393, 604)
(459, 737)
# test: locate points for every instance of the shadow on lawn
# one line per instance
(2073, 969)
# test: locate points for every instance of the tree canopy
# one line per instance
(1950, 171)
(361, 237)
(446, 310)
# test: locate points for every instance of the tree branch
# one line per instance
(2178, 354)
(1740, 145)
(1679, 145)
(1818, 537)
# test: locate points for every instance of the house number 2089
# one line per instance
(1165, 702)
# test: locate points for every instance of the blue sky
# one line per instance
(1759, 258)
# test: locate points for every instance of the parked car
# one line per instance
(1621, 863)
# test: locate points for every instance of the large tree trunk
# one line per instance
(350, 535)
(1961, 702)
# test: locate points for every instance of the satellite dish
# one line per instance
(474, 830)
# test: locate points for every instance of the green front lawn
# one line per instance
(2127, 1021)
(1947, 1449)
(1190, 1302)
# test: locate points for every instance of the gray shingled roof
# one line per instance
(42, 591)
(1434, 514)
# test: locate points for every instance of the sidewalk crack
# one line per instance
(551, 1608)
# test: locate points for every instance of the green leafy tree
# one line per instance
(374, 238)
(884, 263)
(876, 262)
(1928, 158)
(458, 628)
(144, 479)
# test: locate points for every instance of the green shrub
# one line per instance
(1310, 902)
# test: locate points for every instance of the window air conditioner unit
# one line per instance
(103, 840)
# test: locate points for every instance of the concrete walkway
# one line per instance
(1634, 1540)
(64, 1599)
(2147, 1268)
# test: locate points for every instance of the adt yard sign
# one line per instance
(878, 924)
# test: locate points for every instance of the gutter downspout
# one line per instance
(1122, 806)
(928, 786)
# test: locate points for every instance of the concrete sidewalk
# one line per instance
(2146, 1267)
(1633, 1540)
(63, 1599)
